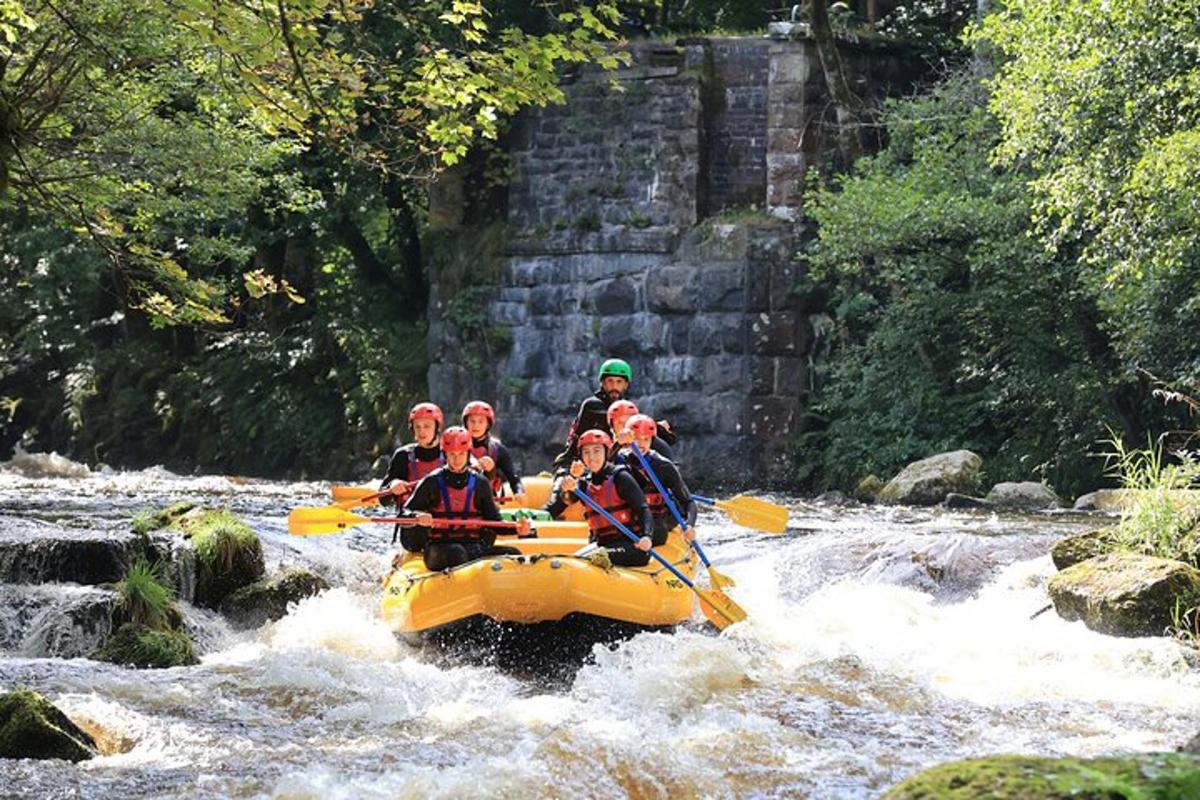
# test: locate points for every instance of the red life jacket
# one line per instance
(658, 506)
(455, 504)
(606, 496)
(418, 469)
(490, 449)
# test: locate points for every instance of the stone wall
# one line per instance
(656, 216)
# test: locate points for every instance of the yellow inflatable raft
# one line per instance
(546, 583)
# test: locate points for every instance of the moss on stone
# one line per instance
(1071, 550)
(228, 555)
(33, 727)
(268, 599)
(1153, 776)
(1125, 594)
(138, 646)
(146, 520)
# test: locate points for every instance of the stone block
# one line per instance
(617, 296)
(509, 313)
(725, 374)
(671, 288)
(789, 65)
(774, 334)
(758, 286)
(632, 335)
(726, 413)
(760, 374)
(722, 288)
(772, 416)
(791, 376)
(675, 373)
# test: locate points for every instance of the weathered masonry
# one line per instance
(656, 217)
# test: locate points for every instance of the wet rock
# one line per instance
(54, 621)
(965, 501)
(868, 489)
(32, 551)
(1150, 775)
(228, 555)
(33, 727)
(1024, 496)
(138, 646)
(1070, 550)
(1192, 745)
(835, 498)
(1124, 594)
(1099, 500)
(928, 481)
(268, 599)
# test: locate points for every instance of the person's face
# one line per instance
(457, 462)
(593, 456)
(424, 430)
(614, 386)
(644, 444)
(619, 420)
(477, 425)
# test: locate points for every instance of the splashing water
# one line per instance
(880, 641)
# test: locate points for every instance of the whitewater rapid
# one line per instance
(880, 642)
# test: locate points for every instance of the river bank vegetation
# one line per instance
(217, 240)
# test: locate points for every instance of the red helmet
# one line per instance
(595, 437)
(426, 411)
(642, 426)
(456, 440)
(479, 407)
(621, 408)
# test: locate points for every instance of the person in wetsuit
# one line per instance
(614, 489)
(615, 377)
(415, 460)
(490, 453)
(455, 492)
(639, 430)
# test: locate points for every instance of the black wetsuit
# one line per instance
(668, 475)
(507, 472)
(622, 550)
(399, 468)
(448, 548)
(593, 415)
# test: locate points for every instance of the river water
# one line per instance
(880, 641)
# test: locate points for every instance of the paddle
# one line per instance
(720, 610)
(355, 496)
(331, 519)
(751, 512)
(718, 580)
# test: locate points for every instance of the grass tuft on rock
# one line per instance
(1162, 520)
(228, 554)
(147, 520)
(145, 598)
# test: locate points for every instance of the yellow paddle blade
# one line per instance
(718, 608)
(316, 521)
(351, 496)
(719, 580)
(753, 512)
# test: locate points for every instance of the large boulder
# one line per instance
(928, 481)
(868, 489)
(1023, 496)
(1070, 550)
(1125, 594)
(1153, 776)
(33, 727)
(268, 599)
(147, 648)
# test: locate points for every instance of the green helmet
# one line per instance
(616, 367)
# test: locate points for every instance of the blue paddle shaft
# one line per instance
(585, 497)
(708, 501)
(637, 451)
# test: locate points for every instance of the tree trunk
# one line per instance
(406, 236)
(873, 11)
(372, 269)
(837, 78)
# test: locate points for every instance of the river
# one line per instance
(880, 641)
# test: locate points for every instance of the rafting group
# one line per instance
(609, 535)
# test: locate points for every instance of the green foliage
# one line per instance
(146, 600)
(220, 538)
(147, 520)
(1161, 520)
(949, 325)
(1100, 97)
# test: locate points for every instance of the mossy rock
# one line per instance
(138, 646)
(1023, 496)
(868, 489)
(146, 521)
(1071, 550)
(1152, 776)
(33, 727)
(268, 599)
(1125, 594)
(928, 481)
(228, 555)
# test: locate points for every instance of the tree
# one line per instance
(1100, 99)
